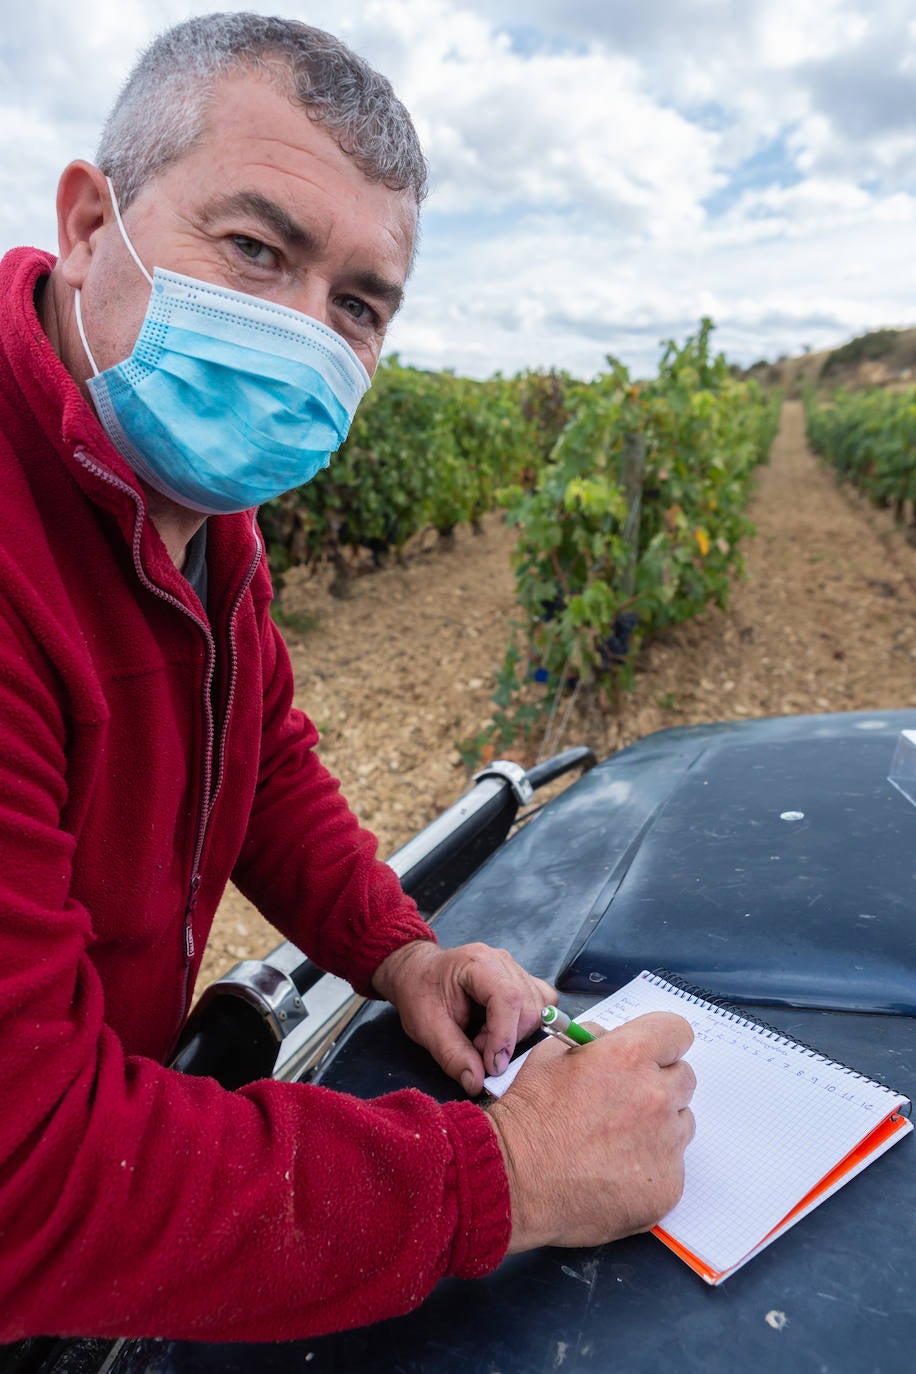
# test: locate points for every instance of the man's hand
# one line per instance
(594, 1137)
(436, 992)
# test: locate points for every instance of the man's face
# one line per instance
(268, 204)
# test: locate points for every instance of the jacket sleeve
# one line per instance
(135, 1201)
(306, 863)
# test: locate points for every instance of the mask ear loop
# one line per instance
(133, 253)
(82, 333)
(130, 247)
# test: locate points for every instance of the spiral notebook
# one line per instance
(780, 1127)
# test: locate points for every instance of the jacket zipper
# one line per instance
(233, 665)
(209, 789)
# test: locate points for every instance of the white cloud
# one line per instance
(556, 291)
(555, 128)
(603, 173)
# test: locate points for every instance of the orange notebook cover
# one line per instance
(779, 1127)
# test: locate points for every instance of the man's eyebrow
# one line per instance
(263, 208)
(380, 288)
(296, 236)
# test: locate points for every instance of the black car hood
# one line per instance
(767, 861)
(676, 853)
(778, 871)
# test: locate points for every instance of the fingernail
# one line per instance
(468, 1082)
(501, 1061)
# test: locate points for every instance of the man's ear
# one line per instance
(83, 209)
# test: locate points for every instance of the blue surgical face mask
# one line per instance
(226, 400)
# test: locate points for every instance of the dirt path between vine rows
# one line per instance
(402, 670)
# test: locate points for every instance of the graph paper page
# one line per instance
(772, 1119)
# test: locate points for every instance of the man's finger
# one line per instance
(546, 993)
(455, 1054)
(666, 1037)
(684, 1080)
(511, 1003)
(499, 1034)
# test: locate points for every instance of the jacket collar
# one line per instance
(56, 403)
(50, 396)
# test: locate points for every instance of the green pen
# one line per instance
(561, 1025)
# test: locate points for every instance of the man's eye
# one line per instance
(357, 310)
(253, 249)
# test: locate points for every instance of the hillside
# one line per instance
(883, 357)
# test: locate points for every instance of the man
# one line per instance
(225, 279)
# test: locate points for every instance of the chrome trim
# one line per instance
(268, 989)
(514, 774)
(443, 827)
(329, 1006)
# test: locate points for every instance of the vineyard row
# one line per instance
(629, 498)
(870, 437)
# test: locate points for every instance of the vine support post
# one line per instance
(632, 476)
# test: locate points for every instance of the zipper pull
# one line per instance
(189, 911)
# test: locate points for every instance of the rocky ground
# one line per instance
(400, 672)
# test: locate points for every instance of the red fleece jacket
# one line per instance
(135, 1201)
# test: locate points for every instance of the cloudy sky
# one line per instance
(604, 172)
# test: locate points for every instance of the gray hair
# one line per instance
(161, 110)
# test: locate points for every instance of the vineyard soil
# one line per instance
(401, 671)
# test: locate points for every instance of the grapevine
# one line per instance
(870, 437)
